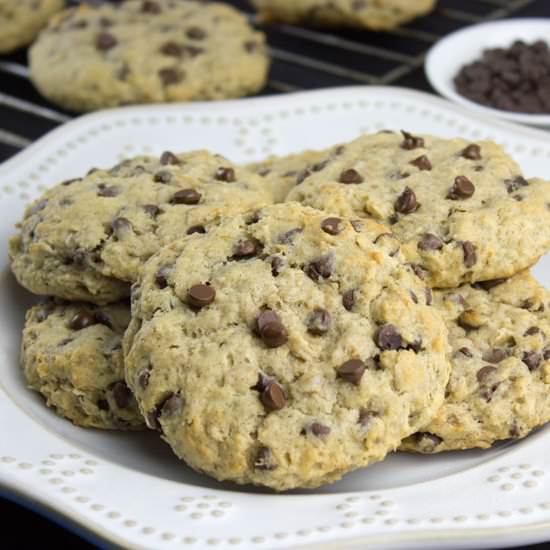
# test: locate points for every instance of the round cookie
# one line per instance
(282, 173)
(87, 239)
(500, 379)
(462, 210)
(71, 353)
(284, 348)
(21, 21)
(147, 51)
(377, 15)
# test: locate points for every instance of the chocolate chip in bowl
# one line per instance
(500, 69)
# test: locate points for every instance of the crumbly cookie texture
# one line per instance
(147, 51)
(462, 210)
(21, 21)
(282, 173)
(285, 348)
(377, 15)
(71, 353)
(87, 239)
(500, 381)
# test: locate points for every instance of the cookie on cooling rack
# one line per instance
(499, 388)
(462, 210)
(377, 15)
(21, 21)
(147, 51)
(285, 348)
(71, 353)
(87, 238)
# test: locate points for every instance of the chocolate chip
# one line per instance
(318, 166)
(162, 176)
(427, 442)
(82, 319)
(265, 317)
(472, 152)
(484, 373)
(350, 176)
(103, 319)
(532, 359)
(168, 158)
(225, 174)
(357, 225)
(411, 142)
(196, 229)
(302, 175)
(288, 236)
(121, 226)
(262, 383)
(365, 417)
(172, 405)
(152, 209)
(318, 322)
(105, 41)
(40, 205)
(466, 352)
(422, 163)
(463, 188)
(531, 331)
(264, 460)
(514, 184)
(495, 355)
(414, 297)
(406, 203)
(186, 196)
(332, 226)
(246, 248)
(170, 76)
(103, 405)
(122, 395)
(199, 296)
(348, 299)
(321, 268)
(162, 275)
(273, 397)
(352, 371)
(430, 242)
(273, 334)
(276, 265)
(150, 7)
(488, 285)
(469, 251)
(318, 429)
(143, 378)
(388, 338)
(196, 33)
(418, 270)
(172, 49)
(105, 191)
(429, 296)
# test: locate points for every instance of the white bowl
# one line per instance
(449, 55)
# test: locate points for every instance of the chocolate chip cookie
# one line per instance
(377, 15)
(71, 353)
(499, 332)
(147, 51)
(21, 21)
(285, 347)
(463, 211)
(87, 238)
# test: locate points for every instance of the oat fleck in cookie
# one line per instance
(500, 381)
(71, 353)
(462, 210)
(285, 348)
(147, 51)
(376, 15)
(87, 238)
(21, 21)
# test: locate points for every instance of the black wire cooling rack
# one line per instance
(302, 59)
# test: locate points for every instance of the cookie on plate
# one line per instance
(87, 239)
(377, 15)
(500, 381)
(284, 348)
(21, 21)
(71, 353)
(282, 173)
(147, 51)
(462, 210)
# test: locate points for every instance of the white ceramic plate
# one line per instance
(449, 55)
(129, 489)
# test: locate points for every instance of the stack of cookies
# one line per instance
(287, 322)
